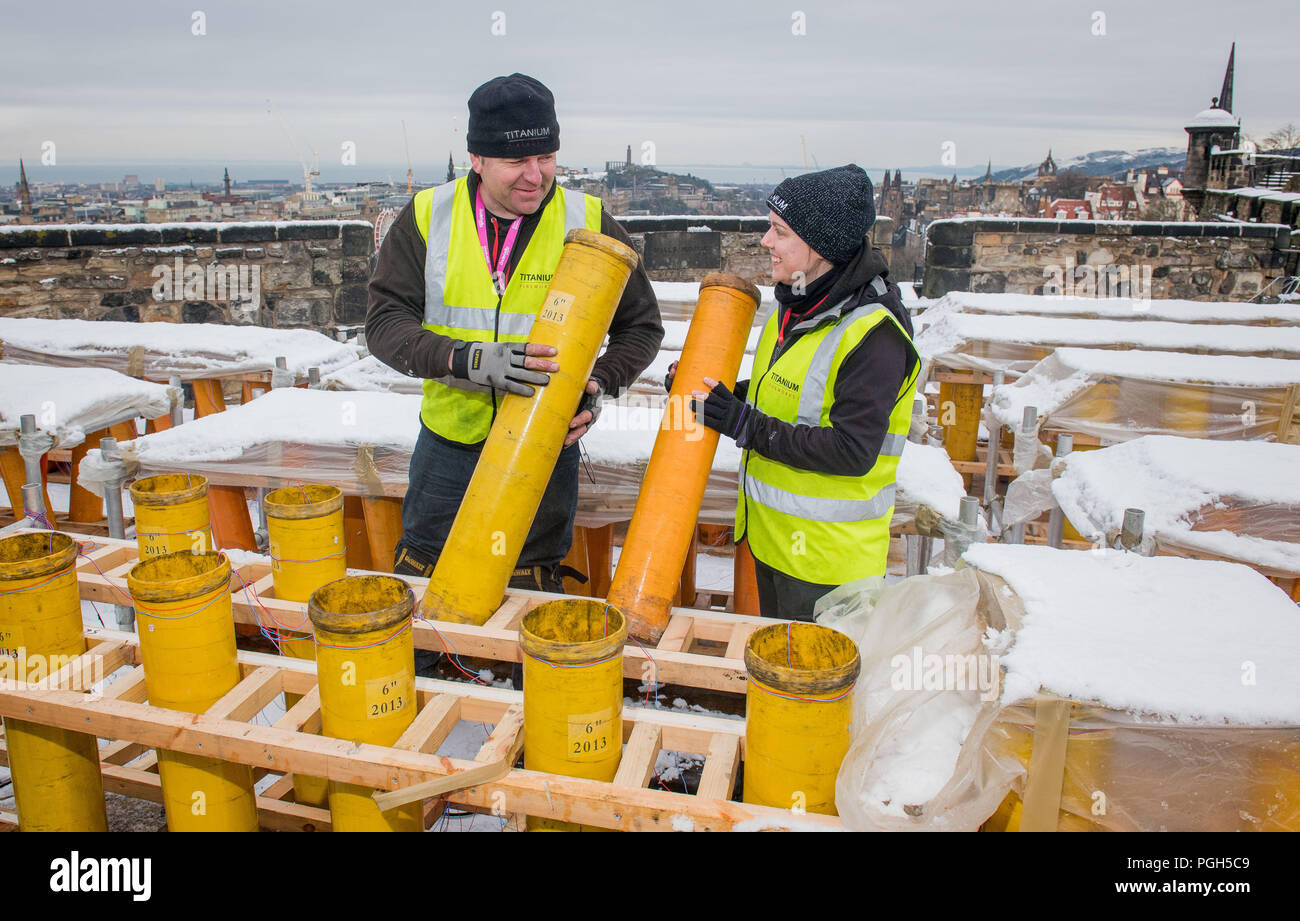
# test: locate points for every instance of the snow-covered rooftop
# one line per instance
(1113, 308)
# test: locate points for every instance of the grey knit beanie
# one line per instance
(831, 210)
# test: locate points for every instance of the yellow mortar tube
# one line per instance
(365, 668)
(668, 504)
(187, 647)
(797, 709)
(573, 708)
(171, 514)
(959, 411)
(55, 772)
(304, 526)
(519, 455)
(1084, 781)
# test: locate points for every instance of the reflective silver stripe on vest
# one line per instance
(816, 509)
(575, 211)
(483, 319)
(813, 390)
(893, 444)
(435, 259)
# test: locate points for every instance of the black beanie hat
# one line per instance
(831, 211)
(512, 116)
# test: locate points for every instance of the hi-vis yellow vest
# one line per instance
(461, 301)
(820, 527)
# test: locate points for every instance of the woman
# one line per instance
(825, 415)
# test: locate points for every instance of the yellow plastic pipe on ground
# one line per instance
(365, 668)
(171, 514)
(55, 772)
(664, 520)
(798, 705)
(304, 526)
(187, 648)
(573, 708)
(519, 454)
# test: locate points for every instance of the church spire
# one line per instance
(25, 191)
(988, 173)
(1225, 94)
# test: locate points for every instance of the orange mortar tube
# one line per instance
(519, 455)
(654, 553)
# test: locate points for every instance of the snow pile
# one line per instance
(371, 374)
(1189, 640)
(1064, 374)
(69, 402)
(1116, 308)
(1016, 343)
(157, 350)
(290, 415)
(1173, 479)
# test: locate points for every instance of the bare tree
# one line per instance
(1285, 138)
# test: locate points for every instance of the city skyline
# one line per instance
(720, 85)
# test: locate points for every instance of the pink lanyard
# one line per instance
(498, 272)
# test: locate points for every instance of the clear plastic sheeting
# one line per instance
(361, 442)
(1116, 308)
(1028, 496)
(959, 671)
(158, 350)
(70, 402)
(917, 759)
(1014, 344)
(1237, 501)
(1118, 396)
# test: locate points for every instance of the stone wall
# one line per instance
(1203, 261)
(285, 273)
(674, 252)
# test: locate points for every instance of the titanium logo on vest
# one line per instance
(789, 386)
(534, 279)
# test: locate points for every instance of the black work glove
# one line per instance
(496, 364)
(724, 412)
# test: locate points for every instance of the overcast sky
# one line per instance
(881, 84)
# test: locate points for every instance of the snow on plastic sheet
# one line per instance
(1186, 486)
(1119, 395)
(1120, 308)
(69, 402)
(916, 759)
(1197, 641)
(1015, 343)
(192, 350)
(371, 374)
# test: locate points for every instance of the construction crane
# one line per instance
(307, 171)
(410, 176)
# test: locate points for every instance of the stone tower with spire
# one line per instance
(226, 180)
(1208, 129)
(451, 169)
(25, 195)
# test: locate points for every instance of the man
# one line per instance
(825, 416)
(458, 281)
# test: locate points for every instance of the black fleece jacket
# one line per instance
(866, 388)
(395, 312)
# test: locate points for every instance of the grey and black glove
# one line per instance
(496, 364)
(590, 402)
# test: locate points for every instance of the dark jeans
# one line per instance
(785, 596)
(439, 475)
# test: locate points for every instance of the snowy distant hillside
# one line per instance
(1104, 163)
